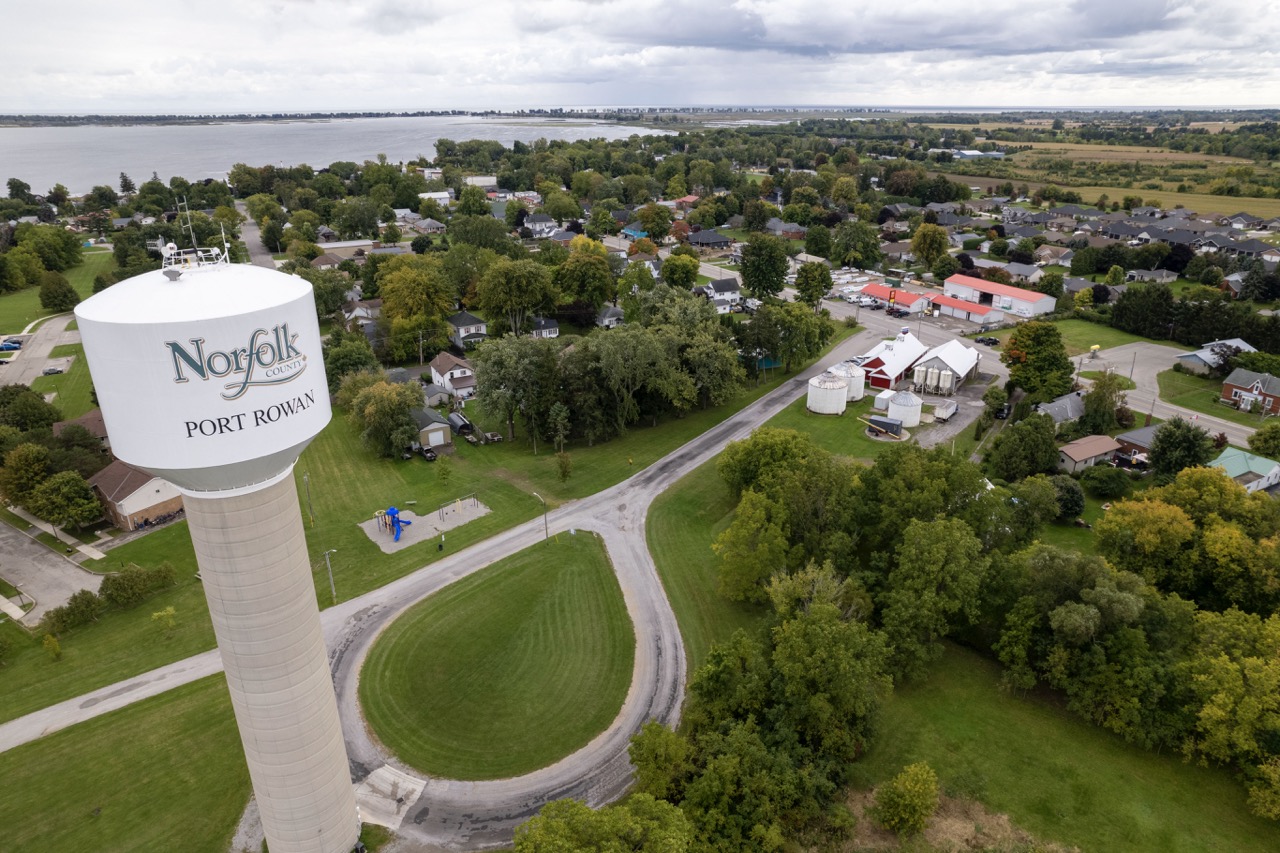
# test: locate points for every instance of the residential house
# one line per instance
(1255, 473)
(433, 428)
(454, 375)
(1137, 442)
(1243, 221)
(709, 240)
(723, 288)
(786, 230)
(1006, 298)
(561, 236)
(327, 261)
(634, 231)
(540, 225)
(899, 251)
(722, 306)
(130, 495)
(1212, 355)
(466, 329)
(1063, 409)
(1075, 456)
(357, 314)
(406, 216)
(429, 226)
(1158, 276)
(1047, 255)
(687, 203)
(442, 198)
(92, 422)
(609, 317)
(888, 362)
(544, 327)
(1025, 273)
(1246, 389)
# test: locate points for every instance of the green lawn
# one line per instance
(1200, 394)
(1080, 335)
(1126, 383)
(73, 387)
(508, 670)
(844, 435)
(19, 309)
(120, 644)
(1056, 775)
(164, 774)
(682, 524)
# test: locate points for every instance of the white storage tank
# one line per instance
(932, 382)
(827, 394)
(905, 406)
(883, 398)
(946, 381)
(920, 375)
(854, 375)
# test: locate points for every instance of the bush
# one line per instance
(905, 803)
(1070, 496)
(82, 608)
(130, 586)
(1105, 482)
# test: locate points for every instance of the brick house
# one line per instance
(1245, 388)
(130, 495)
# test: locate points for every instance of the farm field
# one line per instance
(1127, 153)
(508, 670)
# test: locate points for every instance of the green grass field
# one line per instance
(73, 387)
(844, 435)
(1080, 335)
(1200, 394)
(19, 309)
(508, 670)
(682, 524)
(1056, 775)
(164, 774)
(1126, 384)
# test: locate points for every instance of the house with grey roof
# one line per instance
(466, 329)
(1247, 390)
(1213, 355)
(1064, 409)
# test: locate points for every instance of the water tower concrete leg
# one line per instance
(257, 578)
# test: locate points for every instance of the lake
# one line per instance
(83, 157)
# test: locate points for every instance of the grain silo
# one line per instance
(905, 406)
(827, 394)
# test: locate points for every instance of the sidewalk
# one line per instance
(88, 550)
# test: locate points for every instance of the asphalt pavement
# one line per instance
(47, 578)
(29, 363)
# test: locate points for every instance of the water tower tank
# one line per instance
(211, 376)
(905, 406)
(932, 381)
(946, 381)
(827, 394)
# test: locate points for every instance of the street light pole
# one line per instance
(546, 531)
(333, 590)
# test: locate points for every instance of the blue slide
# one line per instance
(396, 521)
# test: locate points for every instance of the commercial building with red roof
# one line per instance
(1011, 300)
(904, 299)
(950, 306)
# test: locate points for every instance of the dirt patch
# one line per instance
(957, 825)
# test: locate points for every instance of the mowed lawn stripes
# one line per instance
(506, 671)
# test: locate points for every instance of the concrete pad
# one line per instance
(425, 528)
(386, 795)
(8, 608)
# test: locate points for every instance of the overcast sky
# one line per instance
(129, 56)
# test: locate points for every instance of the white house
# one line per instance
(466, 329)
(454, 375)
(610, 317)
(540, 225)
(544, 327)
(1255, 473)
(443, 197)
(1004, 297)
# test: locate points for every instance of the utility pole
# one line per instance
(546, 532)
(333, 590)
(419, 348)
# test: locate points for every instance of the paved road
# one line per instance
(1145, 360)
(39, 573)
(251, 234)
(28, 363)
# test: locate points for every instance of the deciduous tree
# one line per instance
(515, 290)
(813, 281)
(764, 266)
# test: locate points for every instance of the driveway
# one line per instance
(40, 573)
(251, 234)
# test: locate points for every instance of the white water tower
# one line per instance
(211, 376)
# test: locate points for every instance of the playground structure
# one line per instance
(389, 521)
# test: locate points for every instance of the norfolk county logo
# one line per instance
(270, 358)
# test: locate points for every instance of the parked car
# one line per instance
(17, 341)
(1003, 412)
(427, 454)
(14, 347)
(877, 307)
(988, 340)
(52, 371)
